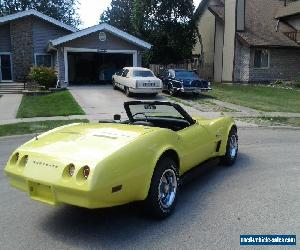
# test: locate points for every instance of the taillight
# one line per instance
(71, 169)
(86, 172)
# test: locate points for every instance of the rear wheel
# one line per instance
(232, 148)
(162, 195)
(127, 92)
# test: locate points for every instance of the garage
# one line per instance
(93, 67)
(93, 55)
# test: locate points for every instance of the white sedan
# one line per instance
(137, 80)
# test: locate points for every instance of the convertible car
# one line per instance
(113, 163)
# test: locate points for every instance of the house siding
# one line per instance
(284, 65)
(43, 32)
(92, 42)
(206, 27)
(5, 38)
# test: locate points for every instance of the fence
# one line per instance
(203, 72)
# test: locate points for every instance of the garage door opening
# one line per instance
(92, 68)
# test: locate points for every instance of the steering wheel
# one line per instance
(141, 113)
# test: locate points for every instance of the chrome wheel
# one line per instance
(233, 146)
(167, 188)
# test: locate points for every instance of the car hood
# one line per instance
(85, 144)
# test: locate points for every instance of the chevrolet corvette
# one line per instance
(114, 163)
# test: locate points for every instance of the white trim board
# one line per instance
(86, 50)
(99, 27)
(40, 15)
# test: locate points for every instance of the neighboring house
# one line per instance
(249, 40)
(31, 38)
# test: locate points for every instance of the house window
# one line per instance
(261, 58)
(43, 60)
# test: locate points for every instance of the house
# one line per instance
(249, 40)
(31, 38)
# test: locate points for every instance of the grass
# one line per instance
(273, 121)
(201, 103)
(54, 104)
(258, 97)
(34, 127)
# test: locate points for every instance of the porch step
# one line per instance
(11, 88)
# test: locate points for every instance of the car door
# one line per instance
(196, 145)
(123, 78)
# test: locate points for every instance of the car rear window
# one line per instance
(142, 73)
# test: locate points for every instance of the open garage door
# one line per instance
(92, 67)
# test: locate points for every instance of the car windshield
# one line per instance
(185, 74)
(142, 73)
(142, 111)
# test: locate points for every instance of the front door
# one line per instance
(5, 68)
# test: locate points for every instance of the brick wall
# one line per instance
(284, 65)
(21, 47)
(242, 63)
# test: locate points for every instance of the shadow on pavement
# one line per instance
(127, 226)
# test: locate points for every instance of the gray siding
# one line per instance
(43, 32)
(92, 42)
(284, 65)
(5, 38)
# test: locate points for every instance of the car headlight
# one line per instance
(71, 169)
(86, 171)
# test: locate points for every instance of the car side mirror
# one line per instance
(117, 117)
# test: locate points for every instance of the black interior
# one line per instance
(168, 123)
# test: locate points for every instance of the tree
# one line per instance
(119, 15)
(166, 24)
(62, 10)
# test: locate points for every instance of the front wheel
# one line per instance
(114, 85)
(162, 196)
(232, 148)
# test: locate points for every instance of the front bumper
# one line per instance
(192, 90)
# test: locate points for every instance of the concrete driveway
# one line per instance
(102, 102)
(258, 195)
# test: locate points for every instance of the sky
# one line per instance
(90, 10)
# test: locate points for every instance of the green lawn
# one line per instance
(258, 97)
(272, 121)
(54, 104)
(33, 127)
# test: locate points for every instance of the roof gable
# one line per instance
(40, 15)
(106, 27)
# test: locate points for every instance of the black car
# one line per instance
(176, 81)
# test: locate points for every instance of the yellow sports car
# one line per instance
(114, 163)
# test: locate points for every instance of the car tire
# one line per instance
(162, 196)
(172, 92)
(232, 148)
(114, 85)
(127, 92)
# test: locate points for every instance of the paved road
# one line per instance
(260, 194)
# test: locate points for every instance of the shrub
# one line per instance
(296, 83)
(43, 76)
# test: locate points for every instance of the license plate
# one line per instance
(41, 192)
(148, 84)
